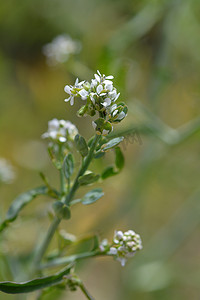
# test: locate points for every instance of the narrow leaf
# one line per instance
(21, 201)
(108, 172)
(99, 154)
(35, 284)
(68, 165)
(112, 143)
(88, 178)
(92, 196)
(119, 158)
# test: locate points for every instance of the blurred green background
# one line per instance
(152, 49)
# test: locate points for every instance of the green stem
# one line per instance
(68, 199)
(48, 238)
(85, 291)
(82, 170)
(68, 259)
(62, 182)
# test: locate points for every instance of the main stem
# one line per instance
(82, 170)
(69, 197)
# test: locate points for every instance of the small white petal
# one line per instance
(94, 82)
(105, 132)
(97, 77)
(112, 251)
(102, 248)
(131, 232)
(122, 261)
(119, 234)
(130, 244)
(66, 100)
(117, 96)
(109, 77)
(108, 85)
(67, 89)
(121, 116)
(45, 135)
(107, 102)
(99, 73)
(115, 112)
(113, 107)
(62, 139)
(108, 82)
(99, 88)
(83, 93)
(72, 100)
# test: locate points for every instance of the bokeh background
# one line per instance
(152, 49)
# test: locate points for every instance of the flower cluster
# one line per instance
(59, 50)
(60, 131)
(124, 245)
(7, 173)
(100, 96)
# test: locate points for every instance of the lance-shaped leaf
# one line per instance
(108, 172)
(119, 163)
(112, 143)
(119, 158)
(81, 145)
(21, 201)
(68, 165)
(35, 284)
(92, 196)
(88, 178)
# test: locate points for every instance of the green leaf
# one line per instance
(102, 127)
(119, 158)
(21, 201)
(88, 178)
(68, 165)
(96, 243)
(119, 163)
(112, 143)
(62, 211)
(82, 111)
(35, 284)
(81, 145)
(99, 154)
(92, 196)
(108, 172)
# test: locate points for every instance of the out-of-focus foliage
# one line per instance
(152, 49)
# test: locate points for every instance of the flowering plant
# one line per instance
(100, 101)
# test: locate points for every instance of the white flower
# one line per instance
(119, 235)
(122, 260)
(7, 174)
(60, 130)
(100, 96)
(125, 245)
(112, 251)
(59, 50)
(104, 245)
(74, 91)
